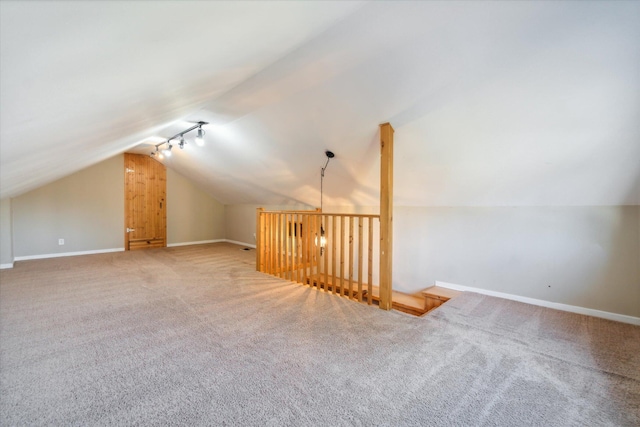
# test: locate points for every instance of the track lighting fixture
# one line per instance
(166, 152)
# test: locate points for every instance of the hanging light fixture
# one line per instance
(323, 239)
(166, 152)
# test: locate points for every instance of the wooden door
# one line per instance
(145, 189)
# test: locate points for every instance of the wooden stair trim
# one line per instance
(407, 303)
(435, 296)
(444, 294)
(416, 304)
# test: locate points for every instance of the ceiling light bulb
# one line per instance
(167, 151)
(200, 138)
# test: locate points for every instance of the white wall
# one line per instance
(192, 215)
(87, 210)
(583, 256)
(6, 244)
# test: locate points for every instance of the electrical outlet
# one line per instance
(60, 242)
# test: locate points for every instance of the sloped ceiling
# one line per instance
(494, 104)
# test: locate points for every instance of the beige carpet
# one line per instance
(194, 336)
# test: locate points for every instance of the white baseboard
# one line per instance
(235, 242)
(63, 254)
(199, 242)
(101, 251)
(564, 307)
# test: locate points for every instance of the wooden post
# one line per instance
(259, 239)
(386, 214)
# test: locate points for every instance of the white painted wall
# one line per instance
(192, 215)
(6, 243)
(87, 210)
(587, 256)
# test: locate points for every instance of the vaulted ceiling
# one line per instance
(493, 103)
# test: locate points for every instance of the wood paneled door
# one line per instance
(145, 204)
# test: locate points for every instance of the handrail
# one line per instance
(324, 213)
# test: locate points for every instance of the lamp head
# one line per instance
(200, 137)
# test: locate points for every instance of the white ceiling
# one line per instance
(494, 104)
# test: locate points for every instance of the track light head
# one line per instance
(200, 137)
(167, 151)
(182, 142)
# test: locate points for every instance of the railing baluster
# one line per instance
(360, 250)
(342, 292)
(370, 264)
(293, 250)
(267, 242)
(298, 254)
(303, 236)
(333, 254)
(318, 249)
(350, 257)
(276, 227)
(287, 243)
(325, 249)
(283, 252)
(275, 244)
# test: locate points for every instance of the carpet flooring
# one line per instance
(194, 336)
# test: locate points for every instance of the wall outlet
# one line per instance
(60, 242)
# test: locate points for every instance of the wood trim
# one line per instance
(335, 214)
(386, 215)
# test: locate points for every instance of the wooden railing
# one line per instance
(336, 253)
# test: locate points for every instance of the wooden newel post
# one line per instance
(259, 238)
(386, 214)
